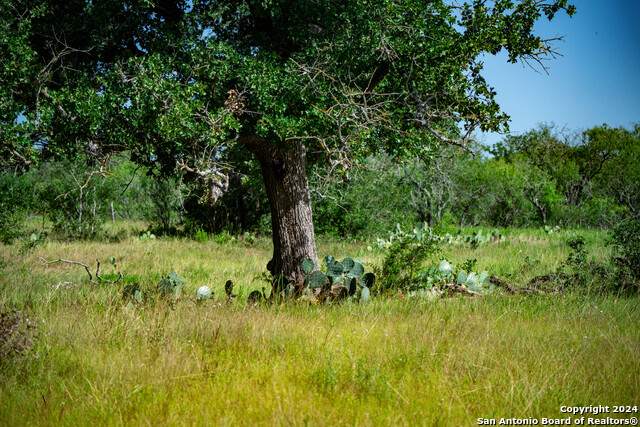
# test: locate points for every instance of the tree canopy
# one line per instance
(193, 86)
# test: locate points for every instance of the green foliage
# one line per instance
(341, 280)
(200, 236)
(438, 279)
(146, 236)
(308, 265)
(35, 239)
(625, 239)
(317, 279)
(403, 262)
(578, 257)
(171, 285)
(16, 202)
(132, 293)
(144, 79)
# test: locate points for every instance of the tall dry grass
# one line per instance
(392, 361)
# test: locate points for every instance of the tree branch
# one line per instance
(86, 267)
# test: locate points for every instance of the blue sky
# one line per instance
(596, 81)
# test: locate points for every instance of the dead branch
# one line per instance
(86, 267)
(454, 288)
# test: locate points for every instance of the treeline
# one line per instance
(547, 176)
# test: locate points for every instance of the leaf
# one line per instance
(336, 279)
(176, 279)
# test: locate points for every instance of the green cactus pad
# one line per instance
(165, 287)
(328, 260)
(308, 265)
(203, 293)
(348, 264)
(483, 277)
(462, 277)
(472, 279)
(228, 287)
(356, 271)
(317, 279)
(445, 268)
(176, 279)
(368, 280)
(336, 279)
(351, 285)
(364, 295)
(335, 269)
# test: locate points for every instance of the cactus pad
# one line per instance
(308, 265)
(317, 279)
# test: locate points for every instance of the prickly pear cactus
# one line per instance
(203, 293)
(335, 269)
(317, 279)
(308, 265)
(348, 264)
(445, 268)
(365, 294)
(171, 285)
(462, 278)
(357, 270)
(368, 280)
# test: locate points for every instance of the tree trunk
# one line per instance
(285, 179)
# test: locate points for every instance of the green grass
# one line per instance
(393, 361)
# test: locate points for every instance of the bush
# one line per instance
(402, 266)
(625, 239)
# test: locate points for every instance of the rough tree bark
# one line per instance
(285, 180)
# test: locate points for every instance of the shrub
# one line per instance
(625, 239)
(402, 265)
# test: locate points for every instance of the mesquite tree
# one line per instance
(192, 86)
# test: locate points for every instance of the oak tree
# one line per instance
(193, 86)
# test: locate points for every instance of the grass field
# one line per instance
(392, 361)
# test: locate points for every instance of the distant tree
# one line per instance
(590, 169)
(185, 86)
(619, 178)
